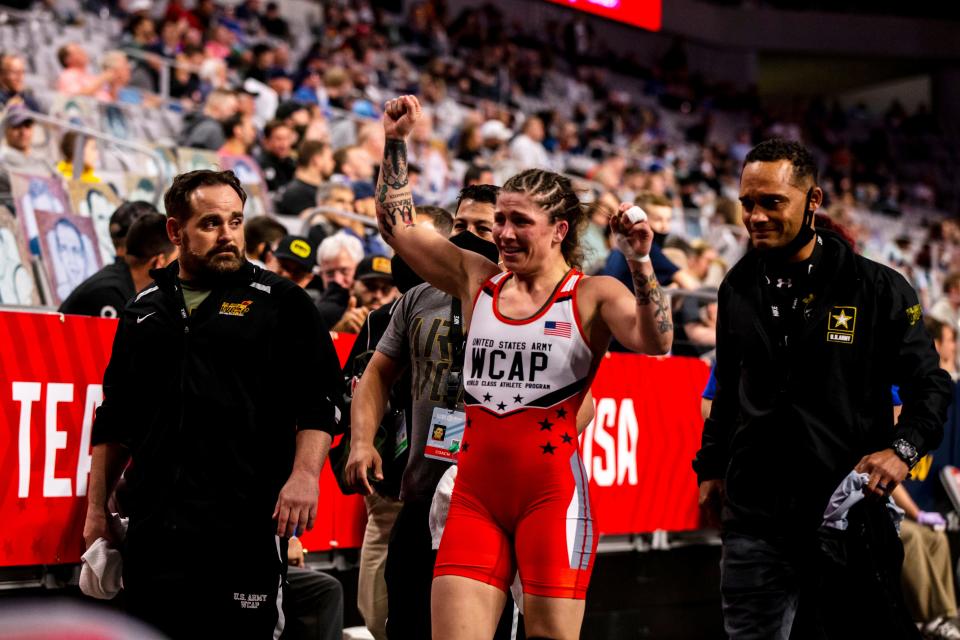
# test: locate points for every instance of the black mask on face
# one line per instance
(403, 276)
(467, 240)
(803, 237)
(659, 239)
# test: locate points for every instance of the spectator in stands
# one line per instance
(13, 88)
(495, 135)
(142, 38)
(184, 78)
(240, 134)
(314, 166)
(204, 129)
(424, 151)
(261, 235)
(17, 153)
(282, 83)
(105, 293)
(338, 256)
(370, 139)
(76, 79)
(122, 220)
(927, 579)
(700, 260)
(478, 174)
(273, 24)
(275, 155)
(695, 325)
(90, 155)
(353, 164)
(527, 149)
(470, 144)
(294, 114)
(594, 241)
(947, 308)
(295, 258)
(373, 283)
(117, 65)
(372, 287)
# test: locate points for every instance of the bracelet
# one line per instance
(645, 258)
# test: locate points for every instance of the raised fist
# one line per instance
(634, 239)
(400, 115)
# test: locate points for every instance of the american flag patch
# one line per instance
(552, 328)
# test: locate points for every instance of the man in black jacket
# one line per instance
(810, 339)
(222, 392)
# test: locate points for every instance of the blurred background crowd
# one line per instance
(289, 97)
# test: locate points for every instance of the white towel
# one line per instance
(848, 493)
(101, 573)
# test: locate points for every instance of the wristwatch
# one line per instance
(906, 452)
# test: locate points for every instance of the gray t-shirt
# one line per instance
(417, 336)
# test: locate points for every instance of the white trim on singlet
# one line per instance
(540, 361)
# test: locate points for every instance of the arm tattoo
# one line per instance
(394, 165)
(393, 189)
(648, 292)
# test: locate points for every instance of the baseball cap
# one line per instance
(374, 267)
(299, 250)
(495, 129)
(16, 117)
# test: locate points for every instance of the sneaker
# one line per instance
(942, 628)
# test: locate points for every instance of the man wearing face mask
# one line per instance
(384, 505)
(810, 339)
(219, 444)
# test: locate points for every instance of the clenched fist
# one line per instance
(400, 115)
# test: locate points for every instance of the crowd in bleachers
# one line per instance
(293, 106)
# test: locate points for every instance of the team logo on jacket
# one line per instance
(914, 313)
(841, 323)
(235, 308)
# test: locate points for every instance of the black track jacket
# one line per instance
(209, 406)
(787, 426)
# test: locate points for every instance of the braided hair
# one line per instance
(555, 195)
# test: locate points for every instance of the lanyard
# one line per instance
(458, 346)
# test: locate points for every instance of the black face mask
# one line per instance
(403, 276)
(471, 242)
(659, 239)
(802, 239)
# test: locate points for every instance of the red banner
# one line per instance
(637, 451)
(646, 14)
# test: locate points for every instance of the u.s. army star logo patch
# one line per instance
(841, 323)
(913, 314)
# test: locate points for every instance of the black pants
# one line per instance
(194, 587)
(409, 575)
(825, 585)
(312, 606)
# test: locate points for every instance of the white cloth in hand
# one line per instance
(101, 573)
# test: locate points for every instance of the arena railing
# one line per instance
(167, 65)
(86, 132)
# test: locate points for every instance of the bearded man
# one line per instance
(221, 394)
